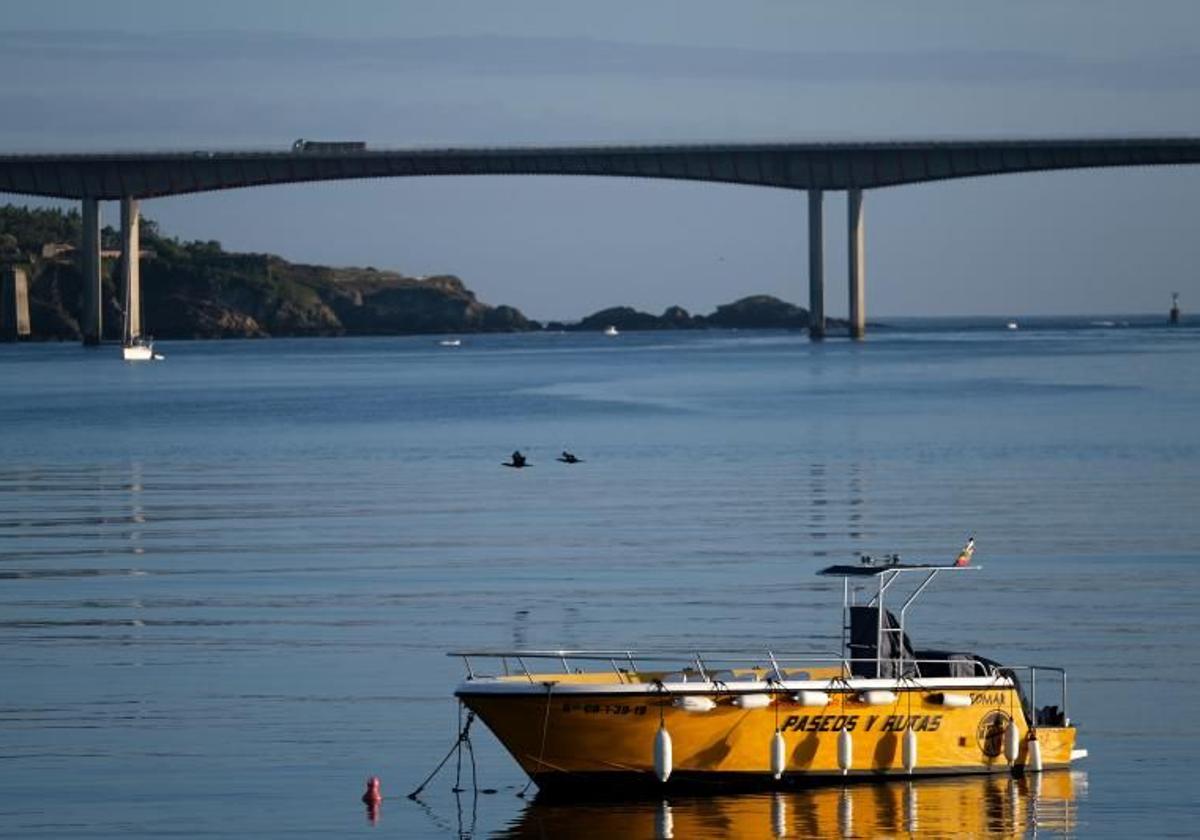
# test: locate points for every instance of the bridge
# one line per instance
(811, 167)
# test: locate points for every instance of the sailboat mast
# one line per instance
(126, 332)
(129, 268)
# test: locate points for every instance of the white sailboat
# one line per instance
(139, 350)
(135, 347)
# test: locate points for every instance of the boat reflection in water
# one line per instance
(977, 806)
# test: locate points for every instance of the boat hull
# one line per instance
(573, 741)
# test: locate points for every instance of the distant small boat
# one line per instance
(451, 342)
(1013, 325)
(611, 330)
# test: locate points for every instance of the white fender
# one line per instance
(1012, 742)
(1033, 758)
(752, 701)
(877, 697)
(908, 750)
(694, 703)
(953, 701)
(845, 751)
(662, 754)
(778, 755)
(811, 698)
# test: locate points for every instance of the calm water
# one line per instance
(227, 581)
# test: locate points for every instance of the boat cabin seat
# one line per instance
(945, 663)
(865, 638)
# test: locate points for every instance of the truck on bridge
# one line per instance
(303, 145)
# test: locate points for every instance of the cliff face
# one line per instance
(244, 296)
(198, 290)
(217, 295)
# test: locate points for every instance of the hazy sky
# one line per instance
(128, 74)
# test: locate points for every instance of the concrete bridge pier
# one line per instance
(857, 264)
(131, 284)
(14, 303)
(816, 267)
(89, 267)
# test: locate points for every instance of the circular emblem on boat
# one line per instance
(990, 733)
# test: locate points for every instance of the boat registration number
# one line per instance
(603, 709)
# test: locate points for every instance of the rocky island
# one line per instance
(748, 313)
(199, 290)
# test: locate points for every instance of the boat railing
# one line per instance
(1027, 679)
(706, 666)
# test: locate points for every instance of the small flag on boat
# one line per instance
(964, 556)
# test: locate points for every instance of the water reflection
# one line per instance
(137, 511)
(520, 629)
(818, 502)
(982, 806)
(855, 501)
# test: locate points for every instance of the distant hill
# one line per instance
(199, 290)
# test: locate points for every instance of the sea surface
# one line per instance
(228, 580)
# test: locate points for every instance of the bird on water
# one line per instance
(517, 461)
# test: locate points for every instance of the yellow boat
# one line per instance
(606, 721)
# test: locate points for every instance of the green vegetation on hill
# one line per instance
(199, 290)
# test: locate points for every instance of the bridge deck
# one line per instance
(800, 166)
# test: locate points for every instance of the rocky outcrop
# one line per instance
(622, 317)
(748, 313)
(759, 312)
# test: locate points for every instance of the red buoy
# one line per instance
(372, 796)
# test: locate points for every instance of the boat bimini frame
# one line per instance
(885, 576)
(878, 660)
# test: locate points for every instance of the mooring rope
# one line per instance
(458, 756)
(464, 737)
